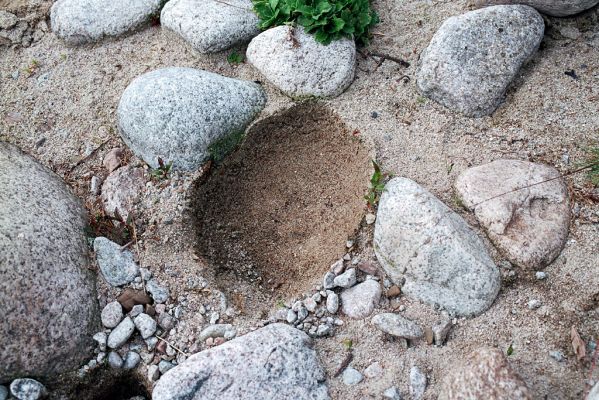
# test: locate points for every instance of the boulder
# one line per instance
(473, 58)
(556, 8)
(299, 66)
(82, 21)
(274, 362)
(185, 115)
(422, 244)
(485, 374)
(526, 220)
(47, 292)
(211, 25)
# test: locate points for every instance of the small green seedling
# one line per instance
(235, 58)
(347, 343)
(280, 303)
(162, 171)
(377, 185)
(510, 350)
(32, 67)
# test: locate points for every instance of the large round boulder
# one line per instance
(47, 293)
(556, 8)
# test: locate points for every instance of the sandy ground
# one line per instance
(66, 106)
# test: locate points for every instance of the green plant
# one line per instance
(377, 185)
(327, 20)
(162, 171)
(347, 343)
(235, 58)
(510, 350)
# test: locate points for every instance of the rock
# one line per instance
(360, 300)
(7, 20)
(419, 239)
(310, 304)
(351, 376)
(473, 57)
(417, 383)
(101, 338)
(328, 280)
(429, 336)
(159, 293)
(47, 292)
(112, 159)
(323, 330)
(27, 389)
(291, 316)
(227, 331)
(121, 190)
(440, 331)
(530, 225)
(393, 291)
(82, 21)
(153, 373)
(332, 302)
(165, 366)
(145, 325)
(374, 370)
(112, 314)
(166, 322)
(114, 360)
(185, 116)
(346, 279)
(131, 297)
(94, 186)
(132, 360)
(396, 325)
(593, 394)
(485, 374)
(3, 389)
(392, 393)
(121, 333)
(299, 66)
(136, 310)
(370, 218)
(117, 266)
(337, 267)
(540, 275)
(556, 8)
(274, 361)
(534, 304)
(209, 25)
(557, 355)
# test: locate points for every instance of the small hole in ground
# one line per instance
(277, 212)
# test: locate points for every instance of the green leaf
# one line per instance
(273, 3)
(338, 24)
(510, 350)
(322, 37)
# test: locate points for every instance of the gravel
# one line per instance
(392, 393)
(396, 325)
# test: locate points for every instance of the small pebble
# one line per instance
(351, 376)
(346, 279)
(417, 383)
(164, 366)
(328, 280)
(534, 304)
(132, 360)
(121, 333)
(112, 314)
(145, 273)
(440, 331)
(541, 275)
(332, 302)
(370, 218)
(337, 268)
(101, 338)
(310, 304)
(214, 317)
(557, 355)
(136, 310)
(428, 335)
(94, 186)
(159, 293)
(374, 370)
(392, 394)
(291, 316)
(153, 373)
(114, 360)
(151, 343)
(393, 291)
(227, 331)
(145, 324)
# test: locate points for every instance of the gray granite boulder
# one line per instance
(210, 25)
(299, 66)
(556, 8)
(422, 244)
(47, 292)
(274, 362)
(116, 264)
(473, 58)
(529, 225)
(484, 374)
(82, 21)
(185, 115)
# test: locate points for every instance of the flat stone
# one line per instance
(153, 373)
(484, 374)
(117, 266)
(121, 333)
(359, 301)
(421, 241)
(82, 21)
(351, 376)
(556, 8)
(417, 383)
(112, 160)
(27, 389)
(159, 293)
(227, 331)
(112, 314)
(299, 66)
(529, 225)
(185, 116)
(47, 292)
(473, 57)
(396, 325)
(332, 302)
(276, 361)
(346, 279)
(211, 26)
(136, 310)
(115, 360)
(328, 280)
(122, 190)
(145, 324)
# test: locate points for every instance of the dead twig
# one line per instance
(348, 358)
(170, 344)
(87, 157)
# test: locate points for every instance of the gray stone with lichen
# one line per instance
(210, 25)
(47, 292)
(180, 114)
(473, 57)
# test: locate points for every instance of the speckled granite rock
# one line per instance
(557, 8)
(530, 225)
(299, 66)
(47, 292)
(274, 362)
(81, 21)
(181, 114)
(419, 240)
(209, 25)
(473, 57)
